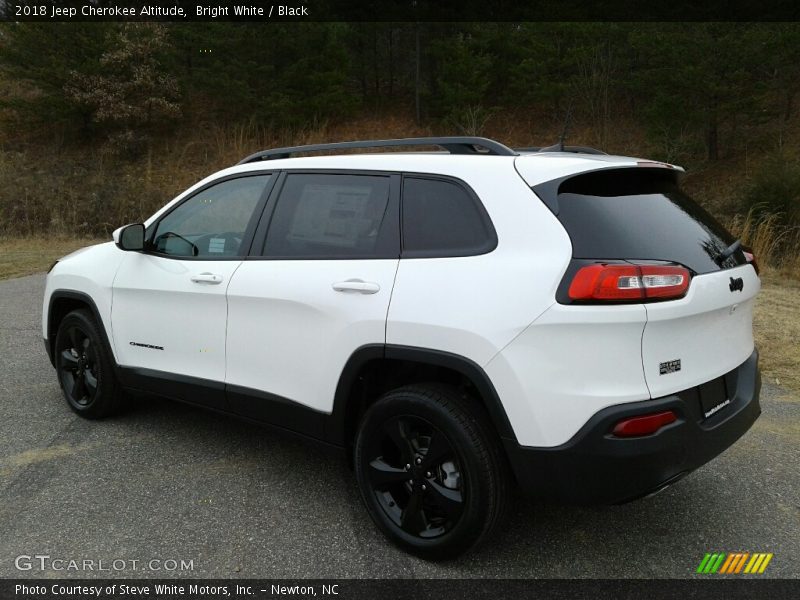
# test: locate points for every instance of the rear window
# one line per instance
(640, 214)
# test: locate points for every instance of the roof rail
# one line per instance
(454, 145)
(559, 148)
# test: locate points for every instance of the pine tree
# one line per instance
(132, 96)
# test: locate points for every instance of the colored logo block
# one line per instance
(734, 563)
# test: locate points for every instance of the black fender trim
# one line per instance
(471, 370)
(50, 340)
(335, 429)
(336, 425)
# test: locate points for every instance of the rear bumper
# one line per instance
(595, 467)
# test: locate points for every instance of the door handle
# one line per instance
(210, 278)
(357, 285)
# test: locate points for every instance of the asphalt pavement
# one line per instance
(166, 482)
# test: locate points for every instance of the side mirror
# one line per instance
(130, 237)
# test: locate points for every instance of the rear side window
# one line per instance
(322, 216)
(640, 214)
(443, 218)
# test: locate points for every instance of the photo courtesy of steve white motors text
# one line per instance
(116, 590)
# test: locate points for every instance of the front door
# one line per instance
(169, 307)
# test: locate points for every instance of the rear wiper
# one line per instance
(726, 254)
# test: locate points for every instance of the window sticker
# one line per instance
(216, 245)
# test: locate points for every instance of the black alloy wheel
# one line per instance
(77, 367)
(85, 367)
(431, 470)
(415, 477)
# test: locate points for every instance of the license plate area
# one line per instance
(714, 397)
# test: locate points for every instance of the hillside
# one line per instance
(107, 121)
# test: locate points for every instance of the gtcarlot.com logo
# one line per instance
(45, 562)
(734, 563)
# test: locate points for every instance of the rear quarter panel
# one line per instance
(570, 363)
(474, 306)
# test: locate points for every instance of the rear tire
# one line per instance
(431, 471)
(85, 367)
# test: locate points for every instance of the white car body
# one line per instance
(284, 329)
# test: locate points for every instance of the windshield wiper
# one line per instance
(728, 252)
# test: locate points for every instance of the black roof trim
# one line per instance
(454, 145)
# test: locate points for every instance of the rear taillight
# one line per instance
(751, 258)
(644, 424)
(640, 283)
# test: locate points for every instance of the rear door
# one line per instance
(316, 289)
(640, 215)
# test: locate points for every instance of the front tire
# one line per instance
(430, 471)
(85, 367)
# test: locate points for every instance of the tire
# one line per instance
(431, 471)
(85, 367)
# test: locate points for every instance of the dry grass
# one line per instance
(24, 256)
(777, 330)
(776, 245)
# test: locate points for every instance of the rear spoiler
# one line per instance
(549, 190)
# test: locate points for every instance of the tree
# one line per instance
(40, 58)
(780, 70)
(697, 74)
(280, 75)
(461, 79)
(131, 96)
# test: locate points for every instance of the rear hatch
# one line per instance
(640, 216)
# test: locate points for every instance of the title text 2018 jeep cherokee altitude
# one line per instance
(458, 321)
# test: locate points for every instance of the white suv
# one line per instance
(456, 321)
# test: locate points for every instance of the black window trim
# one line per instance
(255, 235)
(250, 230)
(390, 227)
(491, 242)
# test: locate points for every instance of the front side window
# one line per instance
(322, 216)
(441, 218)
(213, 222)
